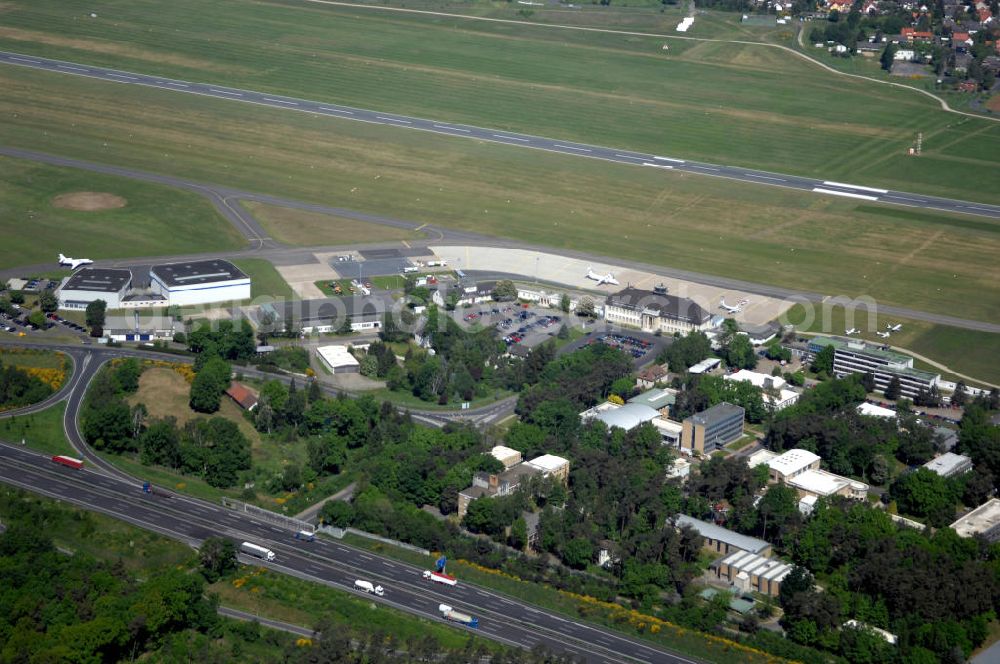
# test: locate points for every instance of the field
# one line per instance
(155, 221)
(745, 231)
(265, 281)
(309, 229)
(42, 431)
(967, 352)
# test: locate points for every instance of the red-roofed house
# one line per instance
(911, 34)
(243, 396)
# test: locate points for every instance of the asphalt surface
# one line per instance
(502, 618)
(825, 187)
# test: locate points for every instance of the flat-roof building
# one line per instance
(775, 394)
(822, 484)
(659, 399)
(505, 455)
(950, 464)
(656, 312)
(339, 359)
(851, 356)
(722, 540)
(871, 410)
(89, 284)
(550, 465)
(704, 366)
(506, 482)
(199, 282)
(791, 463)
(984, 521)
(713, 428)
(763, 574)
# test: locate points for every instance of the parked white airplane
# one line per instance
(733, 309)
(894, 328)
(884, 335)
(608, 278)
(74, 263)
(853, 330)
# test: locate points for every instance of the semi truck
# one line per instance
(68, 461)
(368, 587)
(256, 551)
(440, 577)
(449, 613)
(152, 490)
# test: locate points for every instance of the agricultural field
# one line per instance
(310, 229)
(935, 262)
(46, 209)
(735, 103)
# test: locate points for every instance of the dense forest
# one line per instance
(19, 388)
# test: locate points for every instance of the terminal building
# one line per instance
(652, 311)
(199, 282)
(89, 284)
(852, 356)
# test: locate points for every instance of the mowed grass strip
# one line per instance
(305, 228)
(720, 102)
(155, 220)
(42, 431)
(761, 234)
(265, 281)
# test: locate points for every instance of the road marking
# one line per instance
(364, 557)
(34, 62)
(467, 131)
(226, 92)
(180, 85)
(628, 156)
(704, 168)
(973, 207)
(70, 67)
(131, 78)
(420, 227)
(335, 110)
(512, 138)
(820, 190)
(281, 101)
(386, 563)
(570, 147)
(380, 117)
(907, 198)
(649, 163)
(764, 177)
(676, 161)
(854, 186)
(507, 601)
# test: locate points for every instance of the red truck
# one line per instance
(76, 464)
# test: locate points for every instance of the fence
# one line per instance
(267, 515)
(386, 540)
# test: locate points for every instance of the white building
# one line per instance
(656, 312)
(823, 484)
(505, 455)
(871, 410)
(705, 366)
(338, 359)
(984, 521)
(631, 415)
(199, 282)
(775, 395)
(949, 464)
(792, 463)
(90, 284)
(550, 465)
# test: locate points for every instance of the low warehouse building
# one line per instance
(199, 282)
(722, 540)
(90, 284)
(750, 571)
(339, 359)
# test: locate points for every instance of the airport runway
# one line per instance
(639, 159)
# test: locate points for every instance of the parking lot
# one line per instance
(515, 323)
(636, 347)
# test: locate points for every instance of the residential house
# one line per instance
(650, 376)
(243, 396)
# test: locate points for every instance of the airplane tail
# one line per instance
(62, 259)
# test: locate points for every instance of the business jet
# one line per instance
(733, 309)
(853, 330)
(608, 278)
(894, 328)
(74, 263)
(884, 335)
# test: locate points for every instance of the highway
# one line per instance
(502, 618)
(639, 159)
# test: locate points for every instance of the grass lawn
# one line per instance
(934, 262)
(42, 431)
(741, 443)
(326, 286)
(265, 281)
(155, 220)
(390, 282)
(964, 351)
(305, 228)
(32, 359)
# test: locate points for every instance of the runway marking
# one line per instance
(649, 163)
(180, 85)
(704, 168)
(467, 131)
(131, 78)
(854, 186)
(764, 177)
(380, 117)
(438, 126)
(34, 62)
(226, 92)
(676, 161)
(71, 67)
(570, 147)
(973, 207)
(281, 101)
(820, 190)
(906, 198)
(405, 243)
(628, 156)
(335, 110)
(420, 227)
(512, 138)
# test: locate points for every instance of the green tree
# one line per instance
(218, 557)
(740, 354)
(564, 303)
(578, 552)
(823, 362)
(37, 318)
(924, 493)
(585, 307)
(161, 444)
(888, 56)
(17, 297)
(519, 534)
(505, 290)
(209, 384)
(48, 301)
(337, 513)
(94, 314)
(893, 390)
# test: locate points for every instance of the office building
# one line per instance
(711, 429)
(851, 356)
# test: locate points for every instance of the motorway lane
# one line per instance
(501, 618)
(824, 187)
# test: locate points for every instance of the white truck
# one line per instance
(457, 616)
(440, 577)
(257, 551)
(368, 587)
